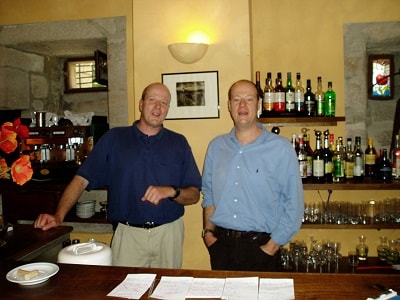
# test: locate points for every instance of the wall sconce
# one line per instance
(188, 53)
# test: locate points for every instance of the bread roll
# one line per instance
(28, 275)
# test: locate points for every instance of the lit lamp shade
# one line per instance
(188, 53)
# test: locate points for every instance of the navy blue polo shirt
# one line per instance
(127, 162)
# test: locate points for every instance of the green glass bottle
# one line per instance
(320, 98)
(330, 101)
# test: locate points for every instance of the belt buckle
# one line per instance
(148, 225)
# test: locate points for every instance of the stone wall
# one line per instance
(366, 117)
(31, 67)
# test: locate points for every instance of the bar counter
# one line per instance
(95, 282)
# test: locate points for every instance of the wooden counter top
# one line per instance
(25, 242)
(95, 282)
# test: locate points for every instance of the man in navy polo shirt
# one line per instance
(151, 174)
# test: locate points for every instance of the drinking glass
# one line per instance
(353, 259)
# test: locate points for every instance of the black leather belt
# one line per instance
(223, 232)
(145, 225)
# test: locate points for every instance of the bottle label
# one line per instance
(328, 167)
(370, 159)
(268, 101)
(338, 168)
(318, 168)
(299, 101)
(397, 167)
(290, 101)
(309, 166)
(349, 171)
(279, 103)
(303, 168)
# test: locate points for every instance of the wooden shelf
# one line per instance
(367, 184)
(350, 226)
(301, 121)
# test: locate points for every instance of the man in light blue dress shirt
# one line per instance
(253, 199)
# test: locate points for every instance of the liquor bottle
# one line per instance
(362, 248)
(359, 162)
(289, 94)
(349, 162)
(279, 101)
(268, 102)
(370, 159)
(396, 158)
(339, 161)
(320, 98)
(384, 167)
(318, 160)
(260, 94)
(330, 101)
(332, 144)
(295, 143)
(309, 100)
(310, 153)
(299, 97)
(302, 158)
(328, 159)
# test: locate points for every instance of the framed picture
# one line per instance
(380, 83)
(193, 95)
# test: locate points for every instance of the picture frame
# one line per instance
(193, 95)
(380, 82)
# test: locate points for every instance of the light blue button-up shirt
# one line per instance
(256, 187)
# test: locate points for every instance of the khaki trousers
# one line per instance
(159, 247)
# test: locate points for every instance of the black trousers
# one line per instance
(243, 253)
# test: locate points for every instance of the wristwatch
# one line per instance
(177, 192)
(205, 230)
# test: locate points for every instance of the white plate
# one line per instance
(46, 270)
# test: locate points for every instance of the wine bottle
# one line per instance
(320, 98)
(299, 97)
(396, 158)
(302, 158)
(359, 162)
(260, 94)
(289, 94)
(370, 159)
(295, 143)
(339, 162)
(349, 162)
(310, 153)
(330, 101)
(384, 167)
(328, 159)
(268, 102)
(309, 100)
(279, 101)
(318, 160)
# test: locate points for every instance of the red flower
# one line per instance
(21, 170)
(4, 169)
(8, 138)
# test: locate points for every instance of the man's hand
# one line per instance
(270, 247)
(154, 194)
(45, 222)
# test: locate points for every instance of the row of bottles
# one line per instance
(294, 100)
(336, 162)
(388, 250)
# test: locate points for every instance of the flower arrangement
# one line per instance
(21, 169)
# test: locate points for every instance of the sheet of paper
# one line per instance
(276, 288)
(206, 288)
(133, 286)
(241, 288)
(172, 288)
